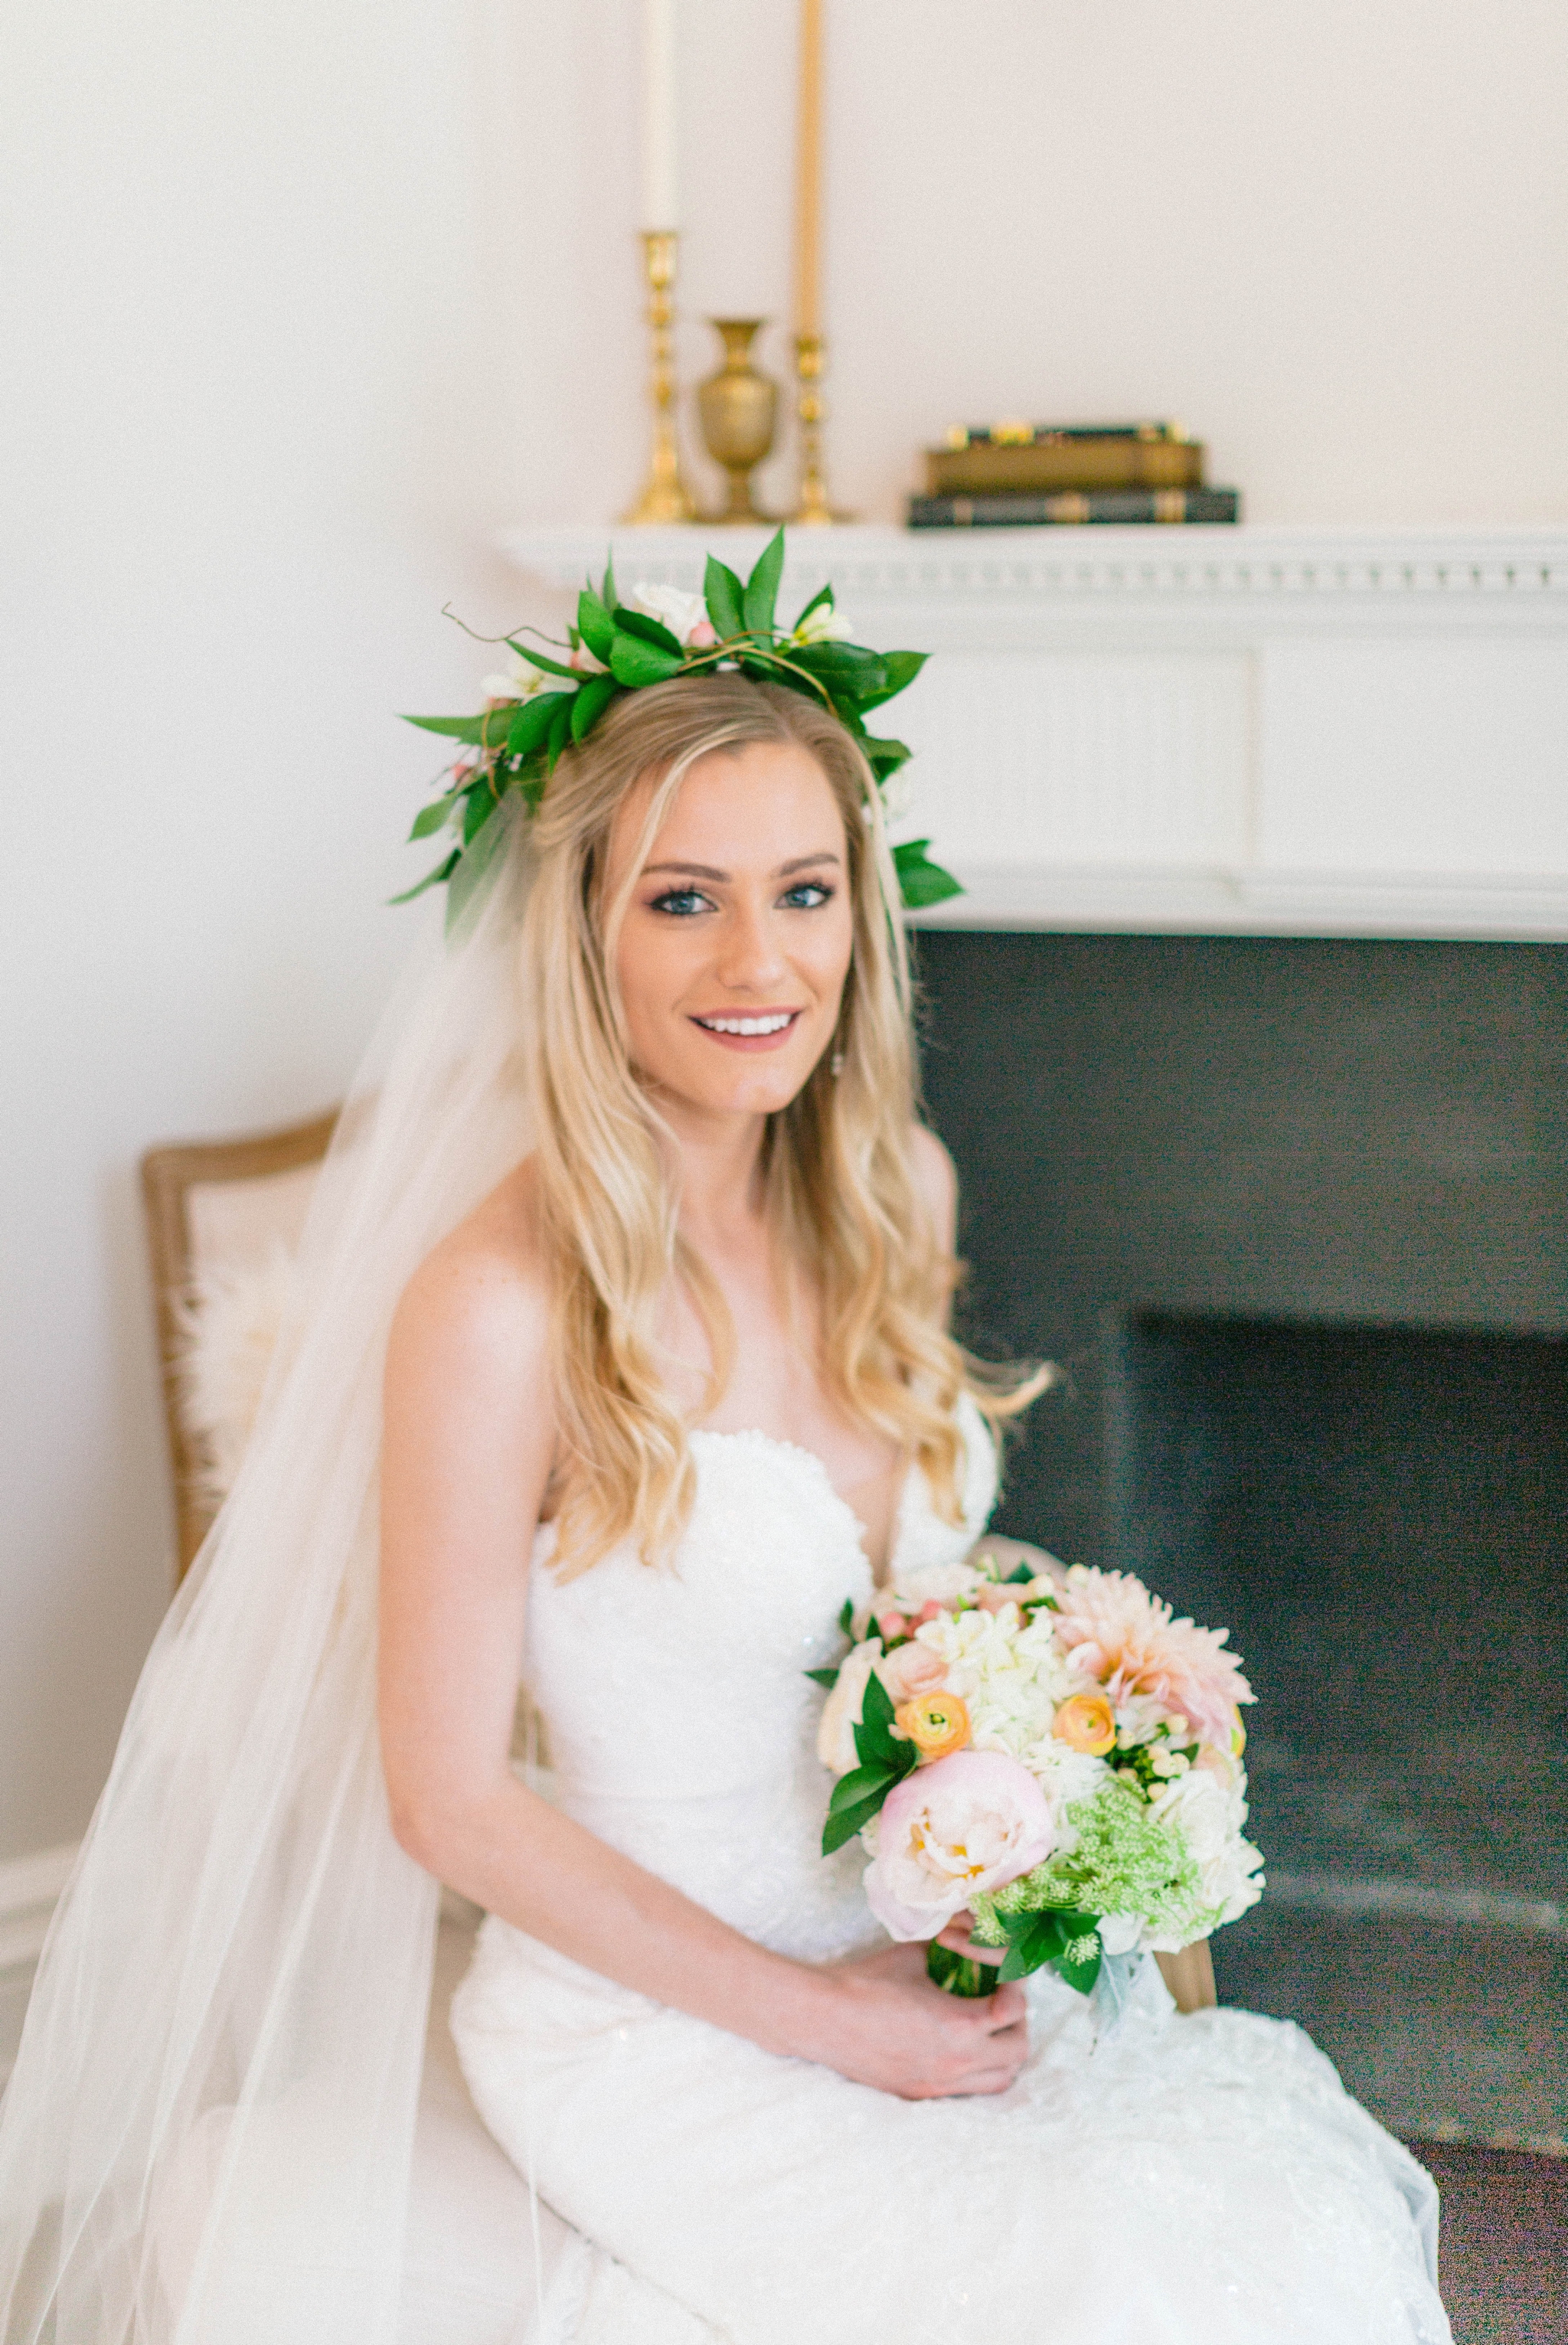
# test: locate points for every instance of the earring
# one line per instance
(836, 1065)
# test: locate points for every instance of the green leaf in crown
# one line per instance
(547, 703)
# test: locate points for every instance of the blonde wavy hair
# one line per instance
(838, 1187)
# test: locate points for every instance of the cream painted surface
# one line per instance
(268, 390)
(1484, 794)
(1100, 760)
(304, 302)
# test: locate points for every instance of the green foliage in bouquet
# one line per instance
(885, 1759)
(1124, 1861)
(1066, 1940)
(520, 742)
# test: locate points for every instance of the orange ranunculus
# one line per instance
(936, 1723)
(1087, 1723)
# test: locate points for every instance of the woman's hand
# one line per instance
(957, 1939)
(881, 2021)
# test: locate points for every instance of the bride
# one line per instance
(639, 1189)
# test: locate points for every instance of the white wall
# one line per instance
(306, 298)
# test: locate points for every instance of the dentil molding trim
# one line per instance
(1252, 563)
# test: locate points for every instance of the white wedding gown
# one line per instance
(1185, 2181)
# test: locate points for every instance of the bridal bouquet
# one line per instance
(1051, 1752)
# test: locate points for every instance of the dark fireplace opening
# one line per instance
(1293, 1213)
(1384, 1509)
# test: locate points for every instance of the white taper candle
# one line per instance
(808, 174)
(661, 195)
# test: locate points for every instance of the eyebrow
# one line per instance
(706, 870)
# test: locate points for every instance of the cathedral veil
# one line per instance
(207, 2136)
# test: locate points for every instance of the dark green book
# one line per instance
(1029, 435)
(1077, 506)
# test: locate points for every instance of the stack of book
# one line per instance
(1022, 475)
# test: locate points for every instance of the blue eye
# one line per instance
(681, 903)
(806, 896)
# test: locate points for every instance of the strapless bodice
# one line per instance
(679, 1718)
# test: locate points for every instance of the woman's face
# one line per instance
(739, 930)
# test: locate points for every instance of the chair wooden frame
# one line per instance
(166, 1174)
(1190, 1977)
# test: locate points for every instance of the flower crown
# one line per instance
(547, 704)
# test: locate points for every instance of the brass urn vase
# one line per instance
(738, 408)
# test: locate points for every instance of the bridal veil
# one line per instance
(207, 2136)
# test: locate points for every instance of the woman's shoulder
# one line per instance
(482, 1295)
(936, 1178)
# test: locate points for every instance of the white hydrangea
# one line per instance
(1008, 1679)
(1072, 1774)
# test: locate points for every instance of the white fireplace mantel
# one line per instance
(1308, 731)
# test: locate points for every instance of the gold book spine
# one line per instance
(1064, 464)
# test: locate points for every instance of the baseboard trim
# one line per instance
(30, 1887)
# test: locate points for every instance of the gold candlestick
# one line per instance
(810, 413)
(664, 496)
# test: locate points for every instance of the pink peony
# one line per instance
(975, 1820)
(1116, 1631)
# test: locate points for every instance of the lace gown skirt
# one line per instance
(1181, 2181)
(1190, 2181)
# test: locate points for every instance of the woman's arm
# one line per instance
(937, 1180)
(469, 1438)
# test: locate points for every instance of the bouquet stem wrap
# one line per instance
(958, 1973)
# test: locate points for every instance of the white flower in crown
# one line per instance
(521, 680)
(686, 615)
(824, 625)
(896, 795)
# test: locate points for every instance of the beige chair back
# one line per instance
(214, 1207)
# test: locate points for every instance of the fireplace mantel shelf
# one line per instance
(1126, 565)
(1322, 731)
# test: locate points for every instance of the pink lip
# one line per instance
(751, 1042)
